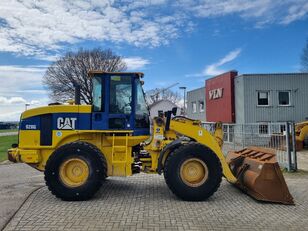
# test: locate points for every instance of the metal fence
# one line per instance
(278, 136)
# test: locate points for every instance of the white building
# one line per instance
(162, 105)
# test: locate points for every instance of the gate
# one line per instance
(277, 136)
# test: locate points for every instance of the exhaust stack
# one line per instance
(77, 93)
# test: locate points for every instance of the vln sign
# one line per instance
(216, 93)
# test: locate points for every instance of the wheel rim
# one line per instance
(194, 172)
(74, 172)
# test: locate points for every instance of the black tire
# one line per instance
(97, 171)
(173, 178)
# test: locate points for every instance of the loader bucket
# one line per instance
(258, 174)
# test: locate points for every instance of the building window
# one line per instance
(263, 98)
(201, 106)
(284, 98)
(263, 129)
(282, 128)
(194, 107)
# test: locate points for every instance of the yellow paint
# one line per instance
(74, 172)
(194, 172)
(117, 148)
(112, 150)
(30, 156)
(160, 138)
(29, 138)
(219, 134)
(301, 130)
(56, 109)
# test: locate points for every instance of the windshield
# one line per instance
(142, 112)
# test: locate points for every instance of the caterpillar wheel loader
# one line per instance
(78, 146)
(301, 131)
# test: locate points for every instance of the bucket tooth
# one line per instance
(259, 175)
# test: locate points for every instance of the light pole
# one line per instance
(184, 91)
(26, 106)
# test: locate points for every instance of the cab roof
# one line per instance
(94, 72)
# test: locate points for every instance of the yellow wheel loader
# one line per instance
(301, 131)
(78, 146)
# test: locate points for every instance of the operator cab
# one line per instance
(119, 102)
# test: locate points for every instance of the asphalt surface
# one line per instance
(17, 181)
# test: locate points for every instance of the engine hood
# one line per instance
(56, 109)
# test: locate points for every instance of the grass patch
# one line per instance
(5, 144)
(8, 130)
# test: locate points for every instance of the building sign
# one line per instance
(220, 98)
(215, 93)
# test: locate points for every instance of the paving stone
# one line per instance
(143, 202)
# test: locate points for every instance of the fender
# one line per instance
(168, 148)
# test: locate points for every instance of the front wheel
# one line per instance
(75, 171)
(193, 172)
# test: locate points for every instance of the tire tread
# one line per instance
(98, 183)
(169, 180)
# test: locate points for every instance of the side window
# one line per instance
(194, 107)
(263, 98)
(201, 106)
(120, 94)
(97, 94)
(142, 113)
(284, 98)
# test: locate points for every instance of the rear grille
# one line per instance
(46, 130)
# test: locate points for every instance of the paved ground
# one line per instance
(8, 133)
(143, 202)
(302, 160)
(17, 181)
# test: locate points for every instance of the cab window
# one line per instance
(120, 95)
(142, 112)
(97, 94)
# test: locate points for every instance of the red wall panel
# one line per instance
(219, 96)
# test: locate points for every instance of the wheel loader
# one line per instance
(78, 146)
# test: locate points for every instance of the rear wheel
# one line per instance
(75, 171)
(193, 172)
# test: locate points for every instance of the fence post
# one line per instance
(288, 147)
(294, 147)
(228, 132)
(243, 136)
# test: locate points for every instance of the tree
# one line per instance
(158, 94)
(304, 58)
(71, 69)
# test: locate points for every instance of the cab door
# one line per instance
(112, 102)
(120, 102)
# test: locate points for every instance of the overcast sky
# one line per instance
(170, 41)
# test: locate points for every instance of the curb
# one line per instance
(22, 204)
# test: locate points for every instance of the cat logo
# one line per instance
(66, 123)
